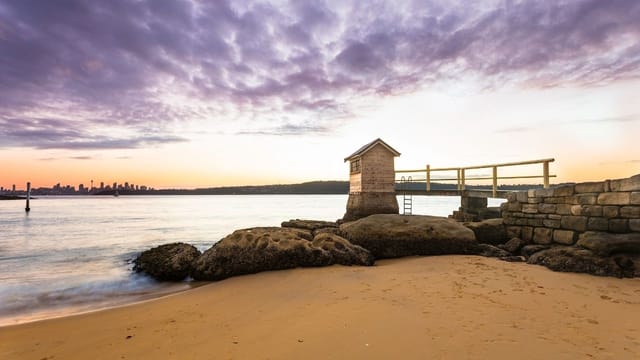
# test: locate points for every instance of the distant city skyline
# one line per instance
(187, 94)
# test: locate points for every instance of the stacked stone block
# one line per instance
(561, 214)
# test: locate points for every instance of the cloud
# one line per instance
(81, 157)
(54, 134)
(288, 129)
(516, 129)
(128, 67)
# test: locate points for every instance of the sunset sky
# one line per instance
(206, 93)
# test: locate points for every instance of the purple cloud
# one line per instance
(114, 64)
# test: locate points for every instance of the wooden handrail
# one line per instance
(461, 171)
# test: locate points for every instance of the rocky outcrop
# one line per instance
(261, 249)
(491, 251)
(390, 236)
(514, 245)
(531, 249)
(605, 244)
(312, 225)
(490, 231)
(169, 262)
(574, 259)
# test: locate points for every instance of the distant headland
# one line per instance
(306, 188)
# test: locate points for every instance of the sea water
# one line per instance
(73, 254)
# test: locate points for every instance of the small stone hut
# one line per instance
(371, 181)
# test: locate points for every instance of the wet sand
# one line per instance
(447, 307)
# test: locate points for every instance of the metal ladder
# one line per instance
(407, 199)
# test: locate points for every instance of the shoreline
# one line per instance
(416, 307)
(69, 310)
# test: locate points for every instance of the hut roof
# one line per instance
(370, 146)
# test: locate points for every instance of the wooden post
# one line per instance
(27, 208)
(545, 174)
(461, 179)
(495, 181)
(428, 177)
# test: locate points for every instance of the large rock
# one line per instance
(309, 224)
(254, 250)
(490, 231)
(491, 251)
(605, 244)
(514, 245)
(169, 262)
(574, 259)
(529, 250)
(390, 236)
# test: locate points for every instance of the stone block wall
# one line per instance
(560, 214)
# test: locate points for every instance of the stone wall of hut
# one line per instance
(561, 214)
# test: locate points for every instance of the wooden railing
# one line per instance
(461, 177)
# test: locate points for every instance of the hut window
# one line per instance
(355, 166)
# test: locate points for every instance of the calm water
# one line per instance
(72, 254)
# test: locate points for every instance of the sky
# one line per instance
(187, 93)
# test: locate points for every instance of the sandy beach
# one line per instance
(447, 307)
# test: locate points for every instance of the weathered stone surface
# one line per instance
(573, 259)
(513, 258)
(614, 198)
(619, 225)
(565, 237)
(554, 216)
(547, 208)
(589, 187)
(551, 223)
(634, 225)
(389, 236)
(582, 199)
(631, 212)
(629, 184)
(610, 211)
(328, 230)
(522, 196)
(490, 251)
(554, 200)
(598, 224)
(364, 204)
(578, 223)
(527, 233)
(542, 235)
(542, 193)
(605, 244)
(513, 231)
(535, 200)
(529, 250)
(309, 224)
(586, 210)
(169, 262)
(254, 250)
(530, 208)
(635, 198)
(514, 206)
(535, 222)
(514, 245)
(490, 231)
(563, 209)
(565, 190)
